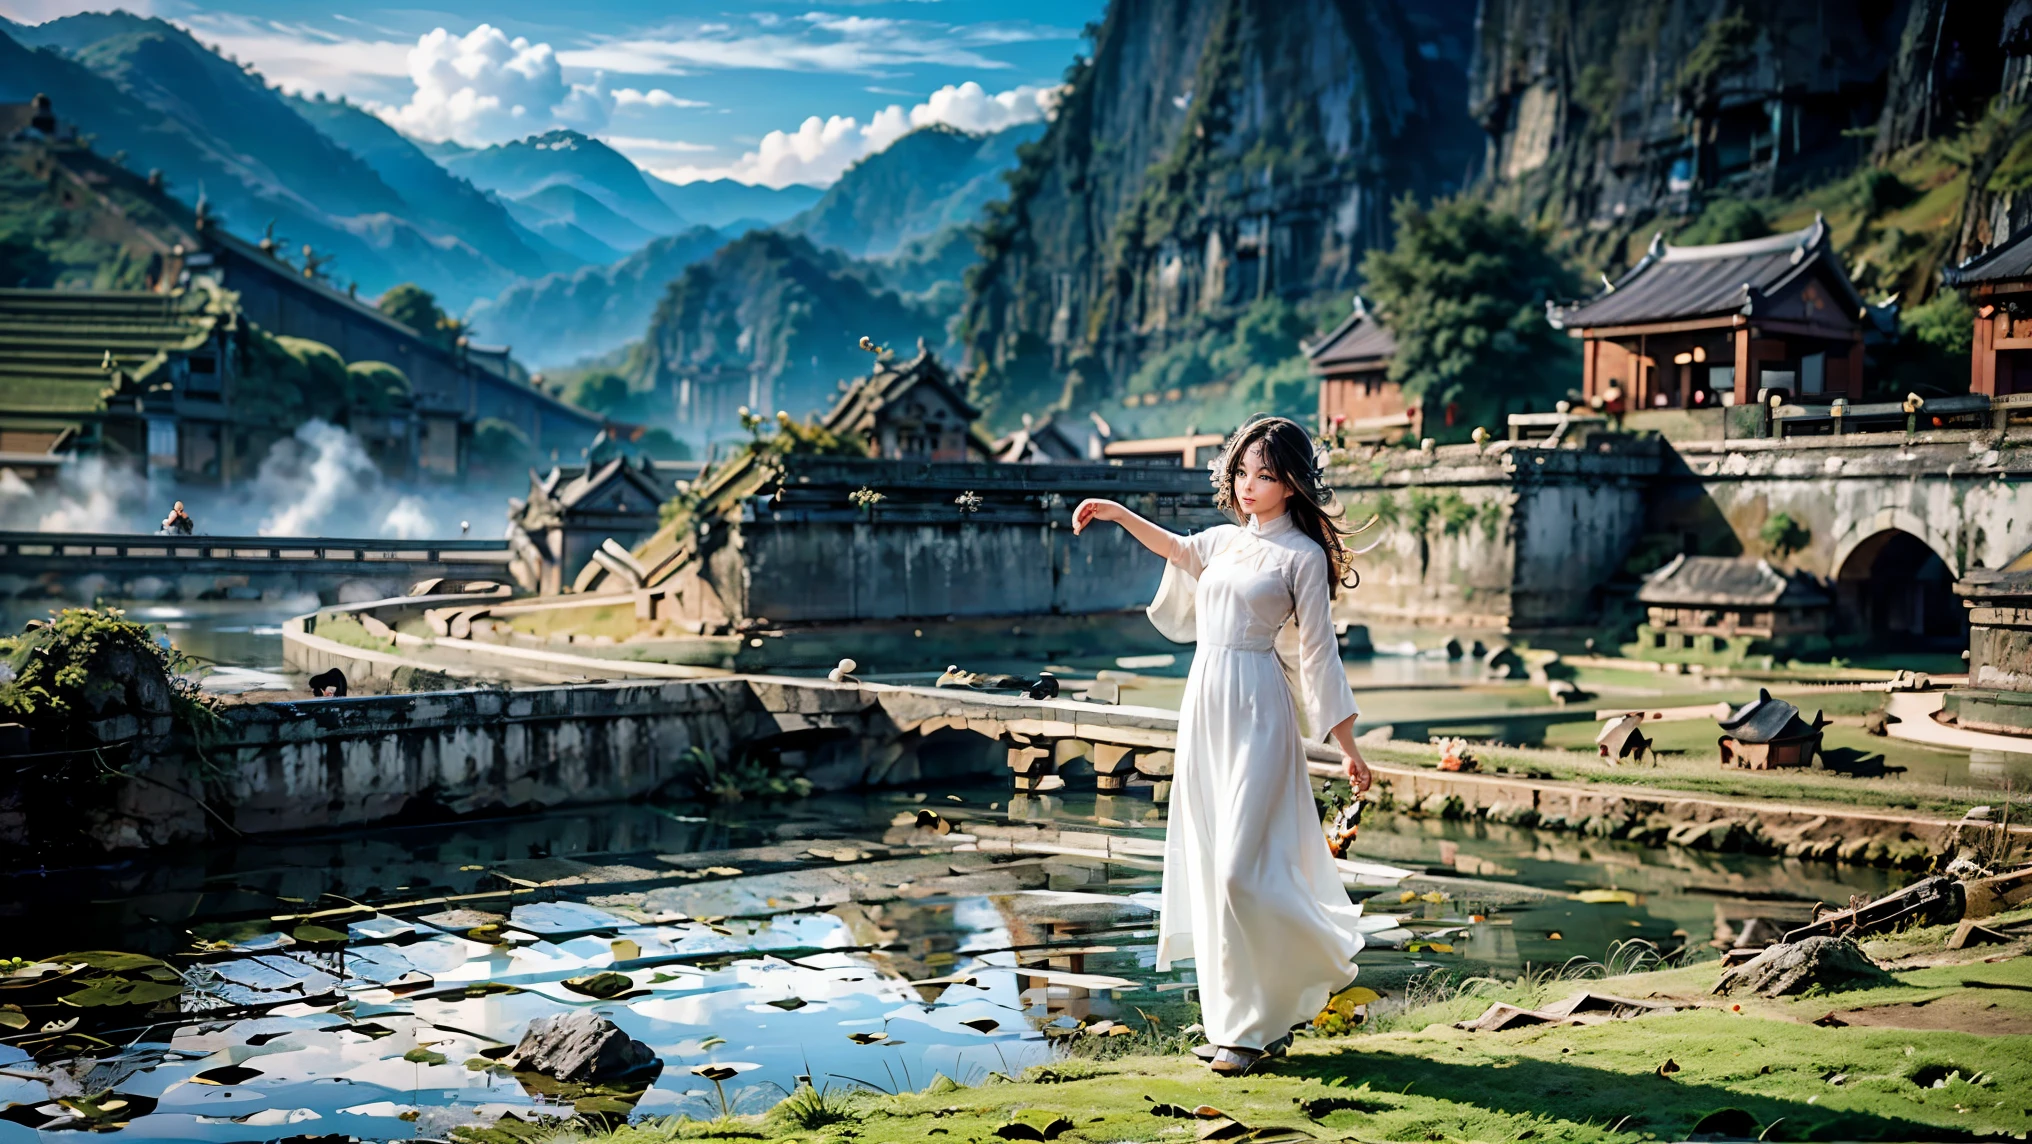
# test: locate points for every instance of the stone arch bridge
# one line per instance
(1523, 536)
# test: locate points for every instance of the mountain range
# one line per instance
(150, 94)
(904, 216)
(464, 223)
(933, 178)
(556, 244)
(557, 172)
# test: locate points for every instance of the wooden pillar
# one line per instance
(1589, 349)
(1983, 354)
(1640, 376)
(1855, 392)
(1745, 393)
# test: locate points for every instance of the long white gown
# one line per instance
(1251, 894)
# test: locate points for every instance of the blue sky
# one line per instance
(759, 92)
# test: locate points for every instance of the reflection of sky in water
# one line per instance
(701, 990)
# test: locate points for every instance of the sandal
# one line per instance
(1234, 1062)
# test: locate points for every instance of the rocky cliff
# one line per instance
(1603, 115)
(1209, 153)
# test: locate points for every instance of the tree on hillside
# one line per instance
(417, 308)
(602, 392)
(1724, 220)
(1464, 290)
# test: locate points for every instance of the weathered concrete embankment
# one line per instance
(346, 762)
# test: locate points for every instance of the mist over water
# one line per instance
(318, 481)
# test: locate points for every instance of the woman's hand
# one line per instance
(1094, 509)
(1356, 770)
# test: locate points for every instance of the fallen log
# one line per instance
(1929, 900)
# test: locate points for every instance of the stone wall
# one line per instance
(1511, 536)
(805, 554)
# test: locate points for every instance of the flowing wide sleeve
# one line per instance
(1175, 611)
(1194, 551)
(1323, 689)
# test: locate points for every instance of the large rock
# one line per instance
(582, 1047)
(1833, 964)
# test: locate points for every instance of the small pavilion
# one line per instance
(1999, 284)
(1728, 324)
(1352, 363)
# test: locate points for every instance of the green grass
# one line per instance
(344, 627)
(1418, 1078)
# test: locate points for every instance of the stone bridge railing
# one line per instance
(85, 565)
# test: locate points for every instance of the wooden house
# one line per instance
(1356, 394)
(1694, 326)
(1722, 598)
(910, 411)
(1999, 284)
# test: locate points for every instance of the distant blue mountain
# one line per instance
(931, 179)
(145, 88)
(564, 318)
(727, 204)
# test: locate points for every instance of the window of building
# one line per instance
(1813, 373)
(1721, 377)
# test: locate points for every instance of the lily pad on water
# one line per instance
(715, 1072)
(604, 986)
(121, 991)
(983, 1024)
(788, 1004)
(11, 1017)
(317, 935)
(111, 961)
(867, 1038)
(424, 1056)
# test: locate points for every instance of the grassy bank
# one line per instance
(1943, 1054)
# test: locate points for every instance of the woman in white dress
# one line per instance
(1251, 894)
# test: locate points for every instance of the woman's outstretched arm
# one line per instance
(1157, 540)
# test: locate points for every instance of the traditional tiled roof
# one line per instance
(593, 483)
(1766, 720)
(59, 349)
(1728, 582)
(1361, 340)
(1041, 441)
(858, 408)
(1679, 283)
(2010, 262)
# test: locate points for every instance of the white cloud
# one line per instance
(820, 150)
(654, 97)
(484, 87)
(302, 58)
(814, 42)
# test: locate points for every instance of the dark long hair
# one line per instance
(1312, 505)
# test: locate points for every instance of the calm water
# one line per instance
(771, 939)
